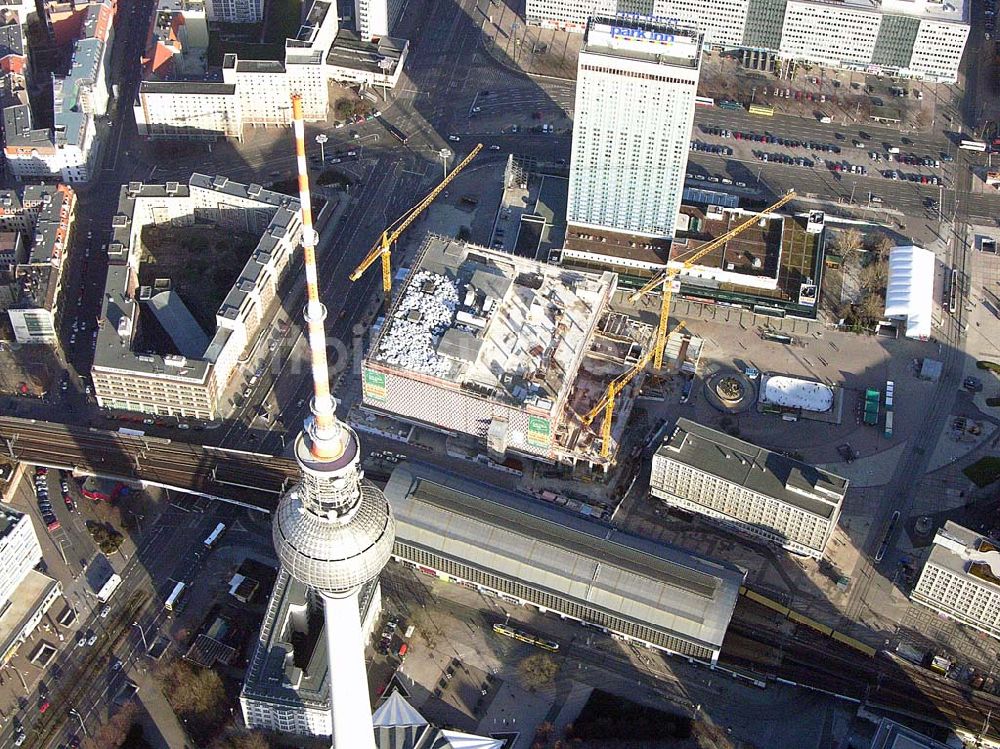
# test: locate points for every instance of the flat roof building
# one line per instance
(924, 39)
(961, 578)
(892, 735)
(286, 688)
(753, 490)
(25, 594)
(179, 99)
(530, 553)
(182, 384)
(504, 349)
(635, 92)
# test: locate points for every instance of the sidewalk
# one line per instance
(527, 49)
(162, 728)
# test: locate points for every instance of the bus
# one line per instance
(884, 547)
(953, 291)
(215, 535)
(174, 599)
(704, 101)
(108, 589)
(729, 104)
(762, 109)
(972, 145)
(399, 134)
(518, 634)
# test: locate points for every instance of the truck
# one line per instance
(108, 589)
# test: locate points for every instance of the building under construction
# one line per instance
(505, 349)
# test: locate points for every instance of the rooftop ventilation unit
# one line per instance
(134, 188)
(175, 360)
(171, 188)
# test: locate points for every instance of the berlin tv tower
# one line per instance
(332, 532)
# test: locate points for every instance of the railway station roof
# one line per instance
(655, 584)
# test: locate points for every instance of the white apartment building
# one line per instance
(750, 489)
(961, 579)
(235, 11)
(25, 593)
(19, 551)
(829, 34)
(188, 110)
(372, 18)
(913, 38)
(635, 91)
(937, 49)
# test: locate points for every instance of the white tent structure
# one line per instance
(398, 725)
(909, 293)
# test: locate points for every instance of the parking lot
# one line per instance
(858, 154)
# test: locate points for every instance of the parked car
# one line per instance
(972, 384)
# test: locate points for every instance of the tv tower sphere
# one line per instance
(332, 532)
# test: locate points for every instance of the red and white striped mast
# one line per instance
(327, 437)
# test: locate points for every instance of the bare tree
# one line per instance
(848, 241)
(871, 309)
(242, 740)
(196, 693)
(538, 671)
(112, 734)
(874, 277)
(881, 245)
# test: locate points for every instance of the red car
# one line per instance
(43, 706)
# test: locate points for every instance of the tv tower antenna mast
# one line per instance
(333, 532)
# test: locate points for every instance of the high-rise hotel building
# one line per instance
(635, 92)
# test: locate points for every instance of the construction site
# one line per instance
(516, 353)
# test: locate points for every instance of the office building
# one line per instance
(235, 11)
(25, 593)
(371, 18)
(286, 689)
(189, 379)
(42, 219)
(924, 39)
(961, 578)
(635, 92)
(177, 100)
(505, 350)
(287, 683)
(755, 491)
(534, 554)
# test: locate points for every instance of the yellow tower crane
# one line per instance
(383, 246)
(655, 354)
(667, 278)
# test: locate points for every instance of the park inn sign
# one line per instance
(667, 40)
(625, 32)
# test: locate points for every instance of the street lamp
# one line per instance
(145, 645)
(76, 714)
(322, 139)
(445, 154)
